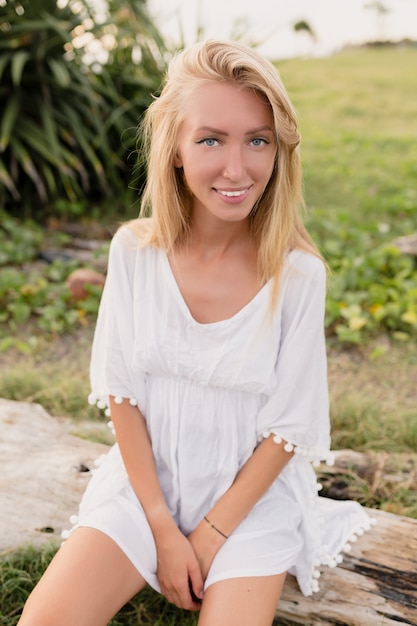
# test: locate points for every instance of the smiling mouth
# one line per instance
(232, 194)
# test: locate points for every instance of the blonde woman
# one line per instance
(210, 354)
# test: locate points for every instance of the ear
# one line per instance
(177, 160)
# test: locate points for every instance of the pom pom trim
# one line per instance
(314, 455)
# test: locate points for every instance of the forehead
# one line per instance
(227, 104)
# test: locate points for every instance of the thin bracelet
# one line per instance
(215, 528)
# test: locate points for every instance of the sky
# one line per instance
(336, 23)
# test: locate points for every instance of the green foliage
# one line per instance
(356, 113)
(304, 27)
(67, 122)
(372, 287)
(19, 243)
(44, 295)
(29, 291)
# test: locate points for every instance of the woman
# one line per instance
(210, 353)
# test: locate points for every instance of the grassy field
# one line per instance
(357, 116)
(359, 129)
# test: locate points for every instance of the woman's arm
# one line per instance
(253, 480)
(255, 477)
(177, 563)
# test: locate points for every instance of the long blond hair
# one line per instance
(276, 225)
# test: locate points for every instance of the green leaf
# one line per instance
(61, 27)
(347, 335)
(60, 72)
(49, 177)
(7, 181)
(50, 129)
(30, 169)
(8, 120)
(77, 129)
(19, 60)
(20, 311)
(4, 60)
(32, 135)
(401, 335)
(7, 343)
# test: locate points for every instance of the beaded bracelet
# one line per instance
(215, 528)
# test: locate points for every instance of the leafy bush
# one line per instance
(373, 293)
(37, 292)
(372, 285)
(19, 243)
(65, 118)
(44, 297)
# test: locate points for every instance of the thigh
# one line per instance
(242, 601)
(87, 582)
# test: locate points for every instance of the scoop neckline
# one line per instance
(184, 306)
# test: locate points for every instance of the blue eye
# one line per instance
(210, 142)
(258, 141)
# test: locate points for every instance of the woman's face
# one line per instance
(227, 150)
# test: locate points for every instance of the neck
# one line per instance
(215, 237)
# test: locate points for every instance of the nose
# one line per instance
(234, 168)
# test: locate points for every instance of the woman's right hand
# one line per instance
(178, 569)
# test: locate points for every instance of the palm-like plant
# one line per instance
(62, 114)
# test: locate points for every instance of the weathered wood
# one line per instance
(44, 471)
(376, 585)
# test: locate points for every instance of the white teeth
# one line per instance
(232, 194)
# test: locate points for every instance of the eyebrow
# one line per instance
(217, 131)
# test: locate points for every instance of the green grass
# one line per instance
(357, 117)
(374, 398)
(54, 373)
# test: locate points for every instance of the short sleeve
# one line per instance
(112, 349)
(297, 411)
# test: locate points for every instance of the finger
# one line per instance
(196, 583)
(186, 599)
(181, 597)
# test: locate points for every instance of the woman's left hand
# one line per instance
(206, 542)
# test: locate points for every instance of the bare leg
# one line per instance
(87, 582)
(242, 601)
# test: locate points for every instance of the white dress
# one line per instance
(209, 394)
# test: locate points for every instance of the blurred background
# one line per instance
(331, 24)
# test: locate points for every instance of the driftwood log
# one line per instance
(376, 585)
